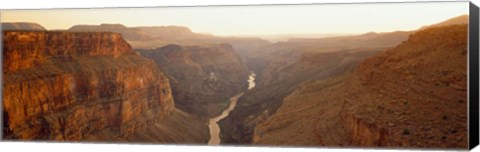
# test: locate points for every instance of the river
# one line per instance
(213, 122)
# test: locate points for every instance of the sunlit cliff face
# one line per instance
(70, 86)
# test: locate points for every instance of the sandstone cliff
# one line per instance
(203, 77)
(413, 95)
(68, 86)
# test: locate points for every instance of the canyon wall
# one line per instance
(203, 77)
(413, 95)
(258, 56)
(284, 73)
(69, 86)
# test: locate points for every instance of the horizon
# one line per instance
(256, 21)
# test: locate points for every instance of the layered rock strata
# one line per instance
(67, 86)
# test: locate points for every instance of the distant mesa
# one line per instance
(22, 26)
(113, 26)
(131, 34)
(169, 32)
(367, 40)
(173, 47)
(142, 33)
(163, 35)
(370, 34)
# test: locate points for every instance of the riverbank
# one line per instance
(213, 122)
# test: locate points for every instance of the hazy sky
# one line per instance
(256, 20)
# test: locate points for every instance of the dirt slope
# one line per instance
(413, 95)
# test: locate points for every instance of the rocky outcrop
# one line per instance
(22, 26)
(413, 95)
(420, 87)
(28, 49)
(21, 50)
(90, 44)
(364, 131)
(68, 86)
(130, 34)
(203, 78)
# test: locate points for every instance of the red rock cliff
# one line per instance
(68, 86)
(27, 49)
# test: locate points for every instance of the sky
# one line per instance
(256, 20)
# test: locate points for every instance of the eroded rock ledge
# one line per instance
(67, 86)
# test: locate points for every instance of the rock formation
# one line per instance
(130, 34)
(413, 95)
(173, 32)
(164, 35)
(281, 76)
(259, 56)
(69, 86)
(22, 26)
(203, 77)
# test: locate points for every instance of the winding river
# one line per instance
(213, 123)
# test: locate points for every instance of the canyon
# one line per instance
(203, 77)
(280, 77)
(260, 118)
(198, 78)
(84, 86)
(168, 84)
(213, 122)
